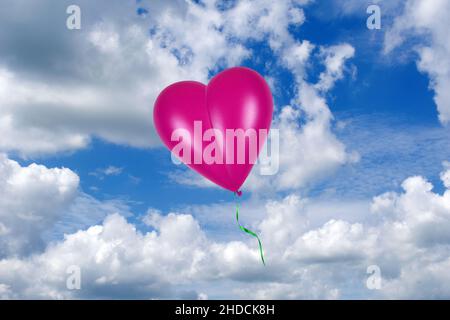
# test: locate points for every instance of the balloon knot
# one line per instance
(239, 193)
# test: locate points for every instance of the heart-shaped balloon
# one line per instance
(210, 119)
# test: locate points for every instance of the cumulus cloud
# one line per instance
(407, 238)
(114, 258)
(425, 214)
(39, 204)
(427, 23)
(336, 240)
(33, 198)
(415, 237)
(102, 80)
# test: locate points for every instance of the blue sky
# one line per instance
(357, 162)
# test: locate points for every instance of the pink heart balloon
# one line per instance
(234, 100)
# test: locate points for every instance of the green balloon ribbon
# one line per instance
(251, 233)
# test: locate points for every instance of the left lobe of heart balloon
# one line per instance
(179, 107)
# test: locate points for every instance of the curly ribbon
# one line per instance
(250, 233)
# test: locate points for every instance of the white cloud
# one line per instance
(427, 22)
(336, 240)
(445, 176)
(425, 215)
(33, 198)
(113, 171)
(190, 178)
(102, 80)
(101, 173)
(256, 19)
(84, 211)
(415, 234)
(39, 204)
(335, 57)
(407, 237)
(296, 56)
(114, 258)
